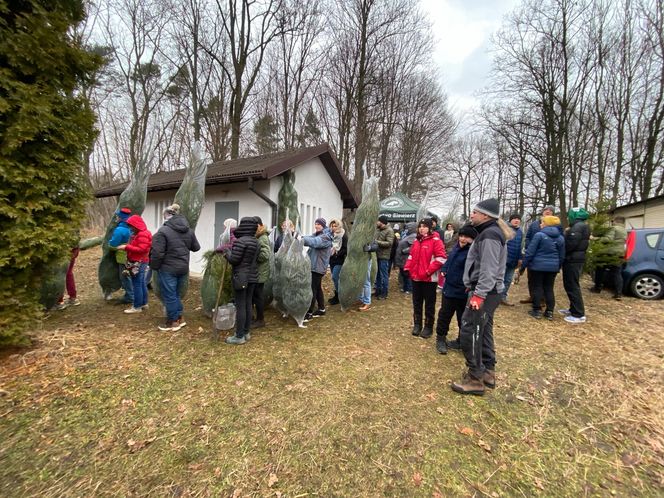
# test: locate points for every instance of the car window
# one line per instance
(652, 239)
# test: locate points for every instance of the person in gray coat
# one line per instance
(401, 255)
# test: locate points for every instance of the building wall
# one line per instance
(316, 193)
(648, 214)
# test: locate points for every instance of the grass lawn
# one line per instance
(106, 405)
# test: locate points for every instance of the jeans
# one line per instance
(140, 287)
(407, 282)
(448, 308)
(383, 277)
(476, 336)
(571, 276)
(125, 282)
(365, 297)
(243, 300)
(258, 300)
(543, 287)
(509, 276)
(317, 291)
(424, 293)
(336, 271)
(169, 286)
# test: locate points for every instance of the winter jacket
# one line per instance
(514, 248)
(427, 256)
(384, 238)
(534, 227)
(244, 254)
(138, 247)
(320, 246)
(120, 235)
(453, 270)
(577, 238)
(405, 244)
(339, 257)
(485, 264)
(263, 259)
(171, 246)
(614, 241)
(546, 251)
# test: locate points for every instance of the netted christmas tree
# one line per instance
(354, 271)
(287, 201)
(133, 197)
(217, 270)
(279, 286)
(296, 281)
(601, 252)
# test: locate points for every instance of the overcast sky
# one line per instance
(462, 29)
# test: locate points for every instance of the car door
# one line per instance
(660, 252)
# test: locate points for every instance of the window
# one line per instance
(159, 207)
(652, 239)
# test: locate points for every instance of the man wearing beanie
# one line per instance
(384, 238)
(320, 249)
(577, 239)
(483, 275)
(513, 255)
(120, 236)
(534, 227)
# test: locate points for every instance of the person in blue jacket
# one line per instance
(534, 227)
(454, 290)
(320, 248)
(120, 236)
(544, 258)
(514, 255)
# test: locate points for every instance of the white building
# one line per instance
(250, 187)
(648, 213)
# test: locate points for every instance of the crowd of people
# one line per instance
(473, 267)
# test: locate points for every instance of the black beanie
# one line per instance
(468, 231)
(426, 222)
(383, 219)
(515, 216)
(490, 207)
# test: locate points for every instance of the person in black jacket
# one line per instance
(169, 255)
(337, 256)
(243, 258)
(455, 294)
(577, 238)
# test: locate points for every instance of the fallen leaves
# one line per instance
(417, 479)
(272, 480)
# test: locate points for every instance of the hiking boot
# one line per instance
(318, 313)
(527, 300)
(455, 345)
(257, 324)
(505, 302)
(364, 307)
(468, 385)
(72, 301)
(426, 332)
(548, 314)
(441, 345)
(133, 310)
(334, 299)
(575, 319)
(169, 326)
(535, 314)
(233, 339)
(417, 330)
(489, 378)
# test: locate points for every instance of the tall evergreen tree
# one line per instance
(46, 127)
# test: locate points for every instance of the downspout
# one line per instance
(273, 205)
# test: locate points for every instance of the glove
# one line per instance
(476, 302)
(367, 248)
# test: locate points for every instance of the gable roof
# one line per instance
(263, 167)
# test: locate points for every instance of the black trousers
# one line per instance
(424, 293)
(317, 289)
(571, 277)
(615, 272)
(259, 301)
(476, 336)
(530, 282)
(543, 288)
(243, 299)
(448, 308)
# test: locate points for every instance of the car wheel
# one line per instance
(647, 286)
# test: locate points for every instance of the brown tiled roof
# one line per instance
(258, 168)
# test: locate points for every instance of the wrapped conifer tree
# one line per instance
(296, 281)
(354, 270)
(278, 286)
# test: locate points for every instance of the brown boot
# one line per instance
(489, 379)
(468, 385)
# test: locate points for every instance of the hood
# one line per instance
(247, 227)
(553, 232)
(178, 223)
(137, 222)
(262, 230)
(577, 214)
(411, 227)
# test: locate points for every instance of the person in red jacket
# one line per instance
(138, 255)
(427, 256)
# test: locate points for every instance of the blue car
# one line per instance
(643, 273)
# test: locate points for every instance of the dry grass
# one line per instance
(105, 405)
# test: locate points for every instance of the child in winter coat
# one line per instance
(426, 257)
(454, 290)
(138, 256)
(401, 255)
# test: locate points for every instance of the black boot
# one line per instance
(441, 344)
(417, 329)
(427, 332)
(455, 344)
(334, 299)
